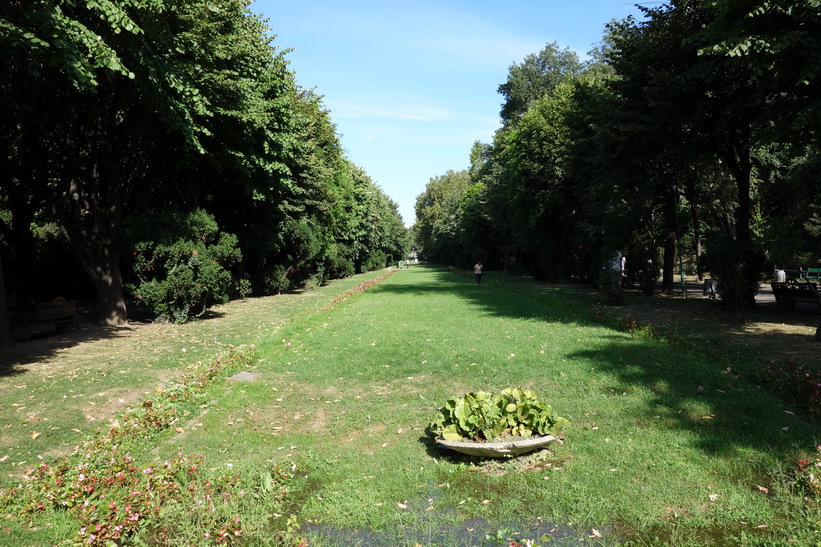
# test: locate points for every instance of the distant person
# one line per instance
(477, 272)
(623, 271)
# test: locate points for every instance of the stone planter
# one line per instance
(498, 449)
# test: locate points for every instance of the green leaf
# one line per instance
(451, 433)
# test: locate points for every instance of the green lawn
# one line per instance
(665, 446)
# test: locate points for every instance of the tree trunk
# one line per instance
(697, 248)
(742, 171)
(668, 277)
(92, 216)
(22, 254)
(5, 335)
(101, 261)
(23, 182)
(108, 285)
(669, 266)
(100, 257)
(740, 165)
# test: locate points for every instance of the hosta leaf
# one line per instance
(482, 414)
(451, 433)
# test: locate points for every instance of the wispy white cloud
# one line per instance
(373, 133)
(417, 113)
(425, 32)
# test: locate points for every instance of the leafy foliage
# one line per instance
(437, 216)
(536, 76)
(738, 269)
(485, 416)
(183, 271)
(118, 108)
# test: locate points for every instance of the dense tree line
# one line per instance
(164, 148)
(690, 137)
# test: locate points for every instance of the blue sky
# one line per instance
(411, 85)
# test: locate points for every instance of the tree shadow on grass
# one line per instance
(739, 413)
(46, 341)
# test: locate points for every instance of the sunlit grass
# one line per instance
(347, 397)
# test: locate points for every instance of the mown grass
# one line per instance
(667, 445)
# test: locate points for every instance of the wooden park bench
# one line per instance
(811, 274)
(788, 293)
(59, 312)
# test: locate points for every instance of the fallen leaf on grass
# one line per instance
(35, 434)
(713, 497)
(401, 505)
(763, 489)
(595, 534)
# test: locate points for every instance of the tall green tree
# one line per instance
(437, 208)
(695, 112)
(104, 74)
(541, 196)
(537, 75)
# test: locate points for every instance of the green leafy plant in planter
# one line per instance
(484, 417)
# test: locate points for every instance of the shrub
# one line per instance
(183, 270)
(376, 260)
(272, 280)
(343, 267)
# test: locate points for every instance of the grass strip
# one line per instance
(666, 446)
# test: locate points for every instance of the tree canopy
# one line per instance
(120, 111)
